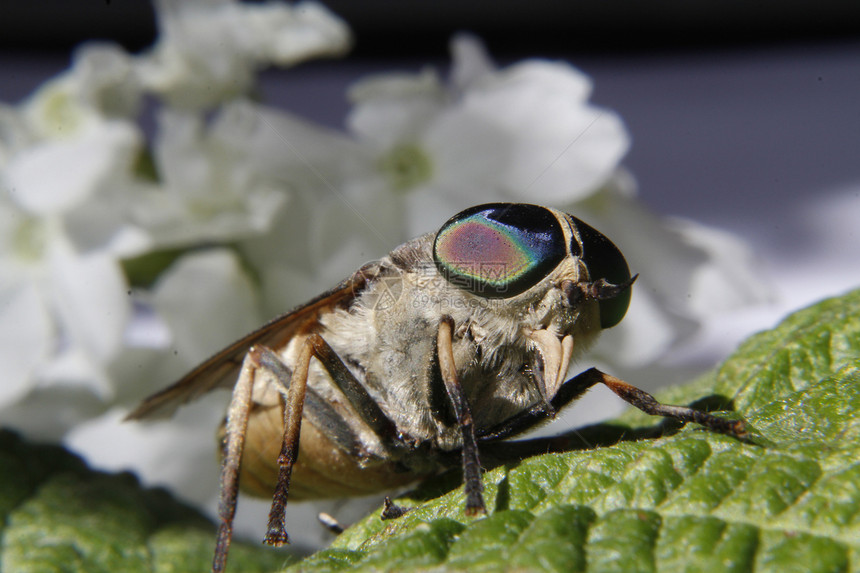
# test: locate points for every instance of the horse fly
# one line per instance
(400, 371)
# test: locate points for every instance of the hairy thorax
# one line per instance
(389, 343)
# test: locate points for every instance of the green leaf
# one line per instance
(788, 499)
(58, 515)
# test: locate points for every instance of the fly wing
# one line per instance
(222, 369)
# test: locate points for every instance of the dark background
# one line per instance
(421, 27)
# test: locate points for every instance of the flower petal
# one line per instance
(178, 453)
(729, 280)
(26, 339)
(91, 298)
(296, 33)
(470, 61)
(673, 259)
(47, 413)
(562, 148)
(210, 190)
(208, 52)
(207, 301)
(394, 108)
(54, 176)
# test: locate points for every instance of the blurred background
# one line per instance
(743, 116)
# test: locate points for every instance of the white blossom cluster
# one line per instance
(128, 257)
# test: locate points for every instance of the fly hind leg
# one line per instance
(294, 386)
(314, 346)
(232, 448)
(300, 400)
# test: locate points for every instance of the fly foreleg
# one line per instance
(471, 464)
(648, 404)
(575, 387)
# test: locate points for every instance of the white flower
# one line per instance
(65, 165)
(421, 152)
(186, 295)
(208, 190)
(100, 86)
(74, 201)
(70, 149)
(210, 50)
(201, 304)
(688, 274)
(323, 231)
(522, 133)
(63, 297)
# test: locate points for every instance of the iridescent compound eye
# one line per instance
(499, 250)
(604, 261)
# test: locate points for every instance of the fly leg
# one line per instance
(363, 403)
(233, 446)
(648, 404)
(276, 532)
(300, 400)
(471, 464)
(578, 385)
(295, 386)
